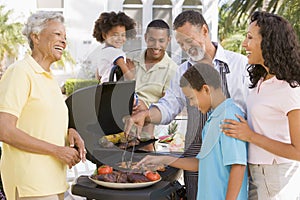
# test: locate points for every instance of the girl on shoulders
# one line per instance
(113, 29)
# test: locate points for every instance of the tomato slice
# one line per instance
(105, 169)
(152, 176)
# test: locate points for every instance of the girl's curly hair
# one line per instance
(280, 49)
(108, 20)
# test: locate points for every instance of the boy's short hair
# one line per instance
(201, 74)
(159, 24)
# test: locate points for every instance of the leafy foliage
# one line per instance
(72, 85)
(66, 57)
(231, 35)
(11, 38)
(234, 16)
(238, 12)
(290, 10)
(172, 128)
(10, 35)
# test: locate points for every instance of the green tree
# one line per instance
(239, 10)
(230, 34)
(234, 18)
(10, 37)
(290, 10)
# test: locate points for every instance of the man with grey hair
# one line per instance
(192, 34)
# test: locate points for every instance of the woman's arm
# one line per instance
(242, 131)
(76, 141)
(235, 181)
(17, 138)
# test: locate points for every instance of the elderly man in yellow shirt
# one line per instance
(37, 144)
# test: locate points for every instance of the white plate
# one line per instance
(124, 185)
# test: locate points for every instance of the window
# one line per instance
(162, 9)
(50, 4)
(134, 9)
(192, 5)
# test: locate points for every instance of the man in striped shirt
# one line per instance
(192, 34)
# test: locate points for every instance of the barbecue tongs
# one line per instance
(133, 134)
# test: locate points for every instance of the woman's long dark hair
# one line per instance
(280, 49)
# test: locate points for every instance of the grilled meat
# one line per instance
(137, 178)
(121, 177)
(112, 178)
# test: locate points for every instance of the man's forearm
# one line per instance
(153, 115)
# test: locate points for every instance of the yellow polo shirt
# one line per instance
(151, 84)
(33, 95)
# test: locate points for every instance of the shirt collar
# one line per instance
(220, 53)
(220, 57)
(211, 136)
(36, 67)
(160, 65)
(220, 108)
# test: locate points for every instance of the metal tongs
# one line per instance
(132, 134)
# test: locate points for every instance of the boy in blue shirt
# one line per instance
(222, 160)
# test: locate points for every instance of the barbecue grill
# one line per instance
(97, 111)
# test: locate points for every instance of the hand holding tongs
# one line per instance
(133, 135)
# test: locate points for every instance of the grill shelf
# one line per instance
(158, 191)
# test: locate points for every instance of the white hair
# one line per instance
(37, 21)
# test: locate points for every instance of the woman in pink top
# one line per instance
(273, 106)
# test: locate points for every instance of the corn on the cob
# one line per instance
(114, 138)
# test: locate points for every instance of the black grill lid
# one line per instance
(98, 110)
(107, 103)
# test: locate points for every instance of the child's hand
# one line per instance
(154, 160)
(130, 64)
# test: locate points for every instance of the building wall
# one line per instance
(80, 18)
(81, 15)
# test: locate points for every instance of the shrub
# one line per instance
(72, 85)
